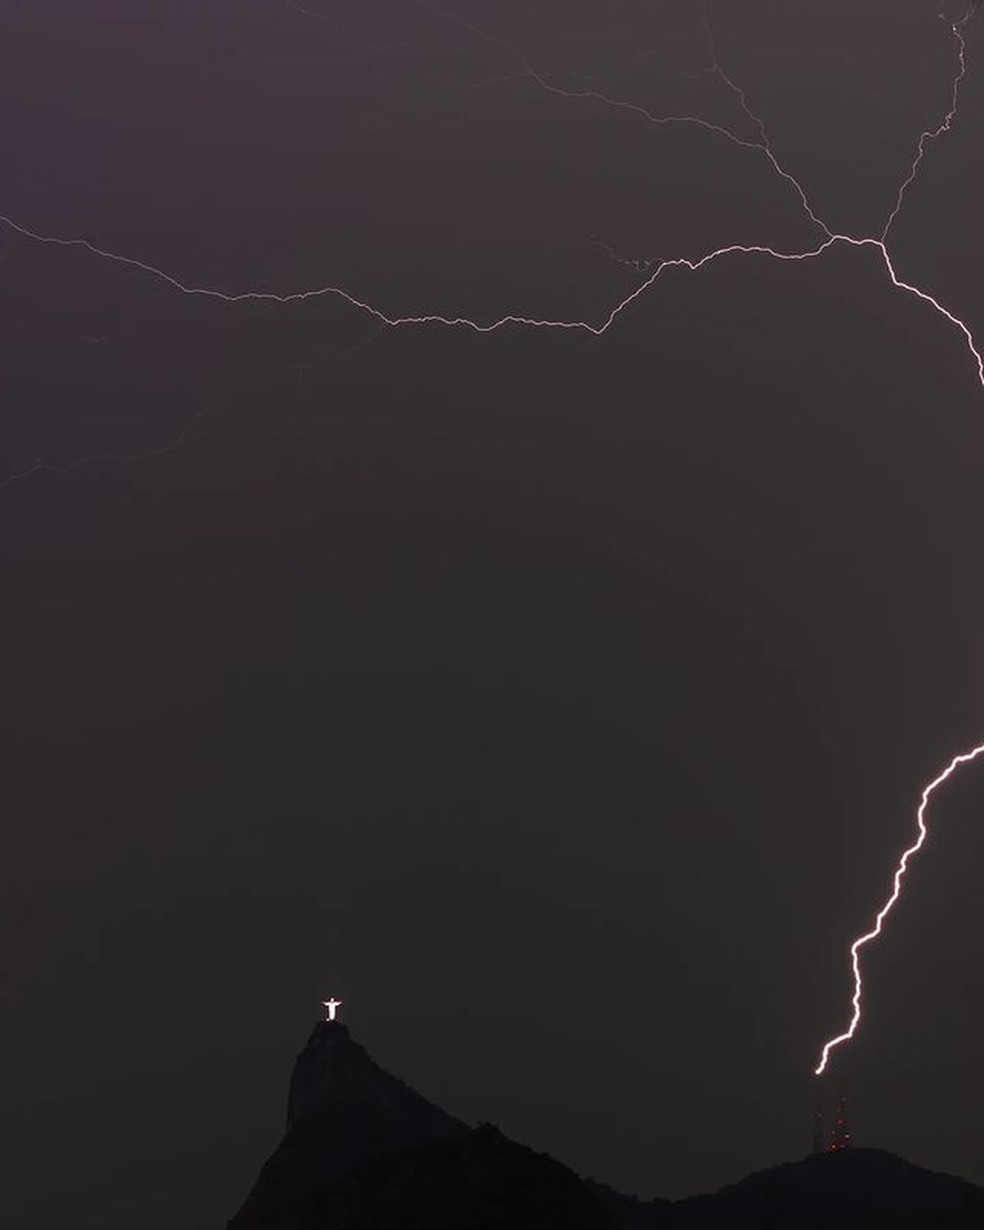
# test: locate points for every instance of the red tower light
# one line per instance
(840, 1136)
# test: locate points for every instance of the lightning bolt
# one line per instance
(964, 757)
(932, 134)
(883, 913)
(760, 147)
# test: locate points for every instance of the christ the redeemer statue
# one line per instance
(331, 1006)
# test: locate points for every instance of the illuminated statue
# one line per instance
(331, 1006)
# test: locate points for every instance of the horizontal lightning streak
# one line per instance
(883, 913)
(429, 318)
(434, 318)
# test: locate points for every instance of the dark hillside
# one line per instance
(364, 1151)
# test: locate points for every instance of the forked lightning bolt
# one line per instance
(827, 239)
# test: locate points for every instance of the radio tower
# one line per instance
(840, 1137)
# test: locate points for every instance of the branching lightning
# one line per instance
(931, 134)
(760, 147)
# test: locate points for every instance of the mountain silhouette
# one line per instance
(342, 1110)
(850, 1189)
(364, 1151)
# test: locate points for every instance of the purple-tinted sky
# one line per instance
(560, 701)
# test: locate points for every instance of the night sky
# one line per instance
(560, 700)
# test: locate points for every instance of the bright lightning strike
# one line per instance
(883, 913)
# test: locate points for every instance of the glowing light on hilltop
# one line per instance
(883, 913)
